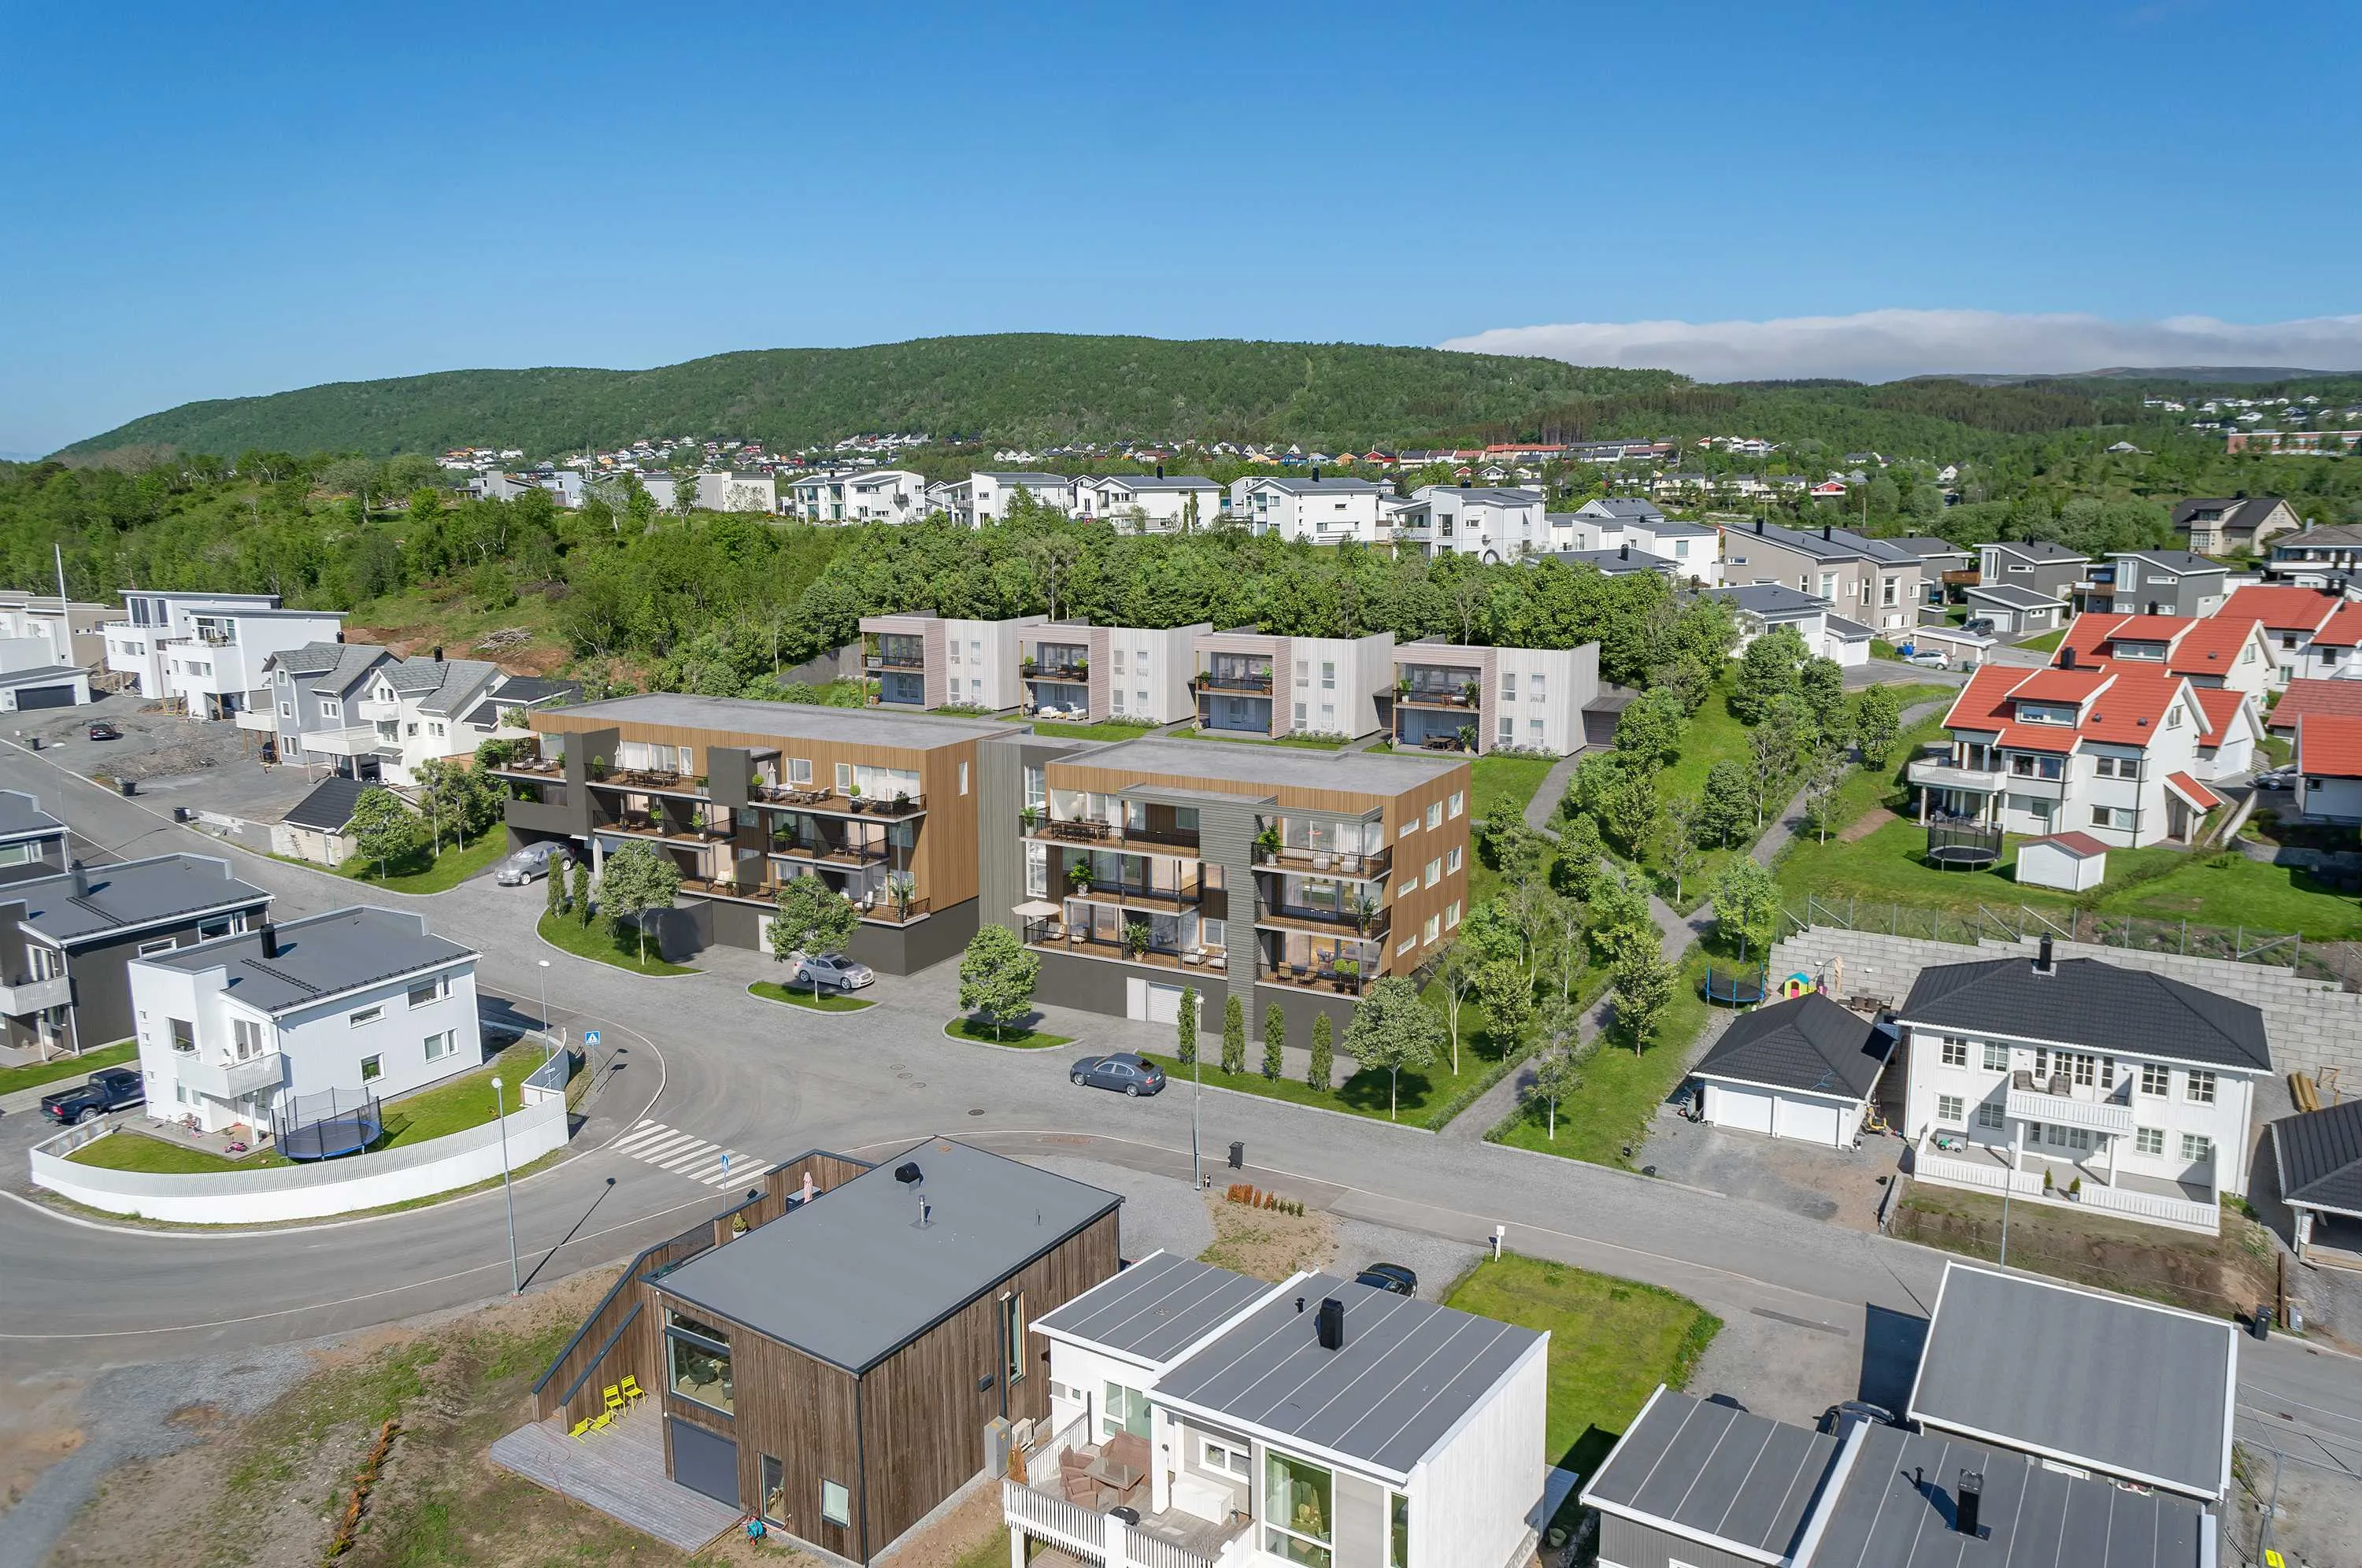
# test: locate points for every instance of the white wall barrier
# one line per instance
(307, 1192)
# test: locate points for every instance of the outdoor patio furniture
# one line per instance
(581, 1430)
(1078, 1486)
(631, 1387)
(613, 1396)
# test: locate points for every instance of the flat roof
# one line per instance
(1406, 1374)
(21, 816)
(852, 1277)
(1710, 1471)
(1157, 1308)
(787, 720)
(1895, 1509)
(133, 892)
(320, 955)
(1368, 773)
(2140, 1391)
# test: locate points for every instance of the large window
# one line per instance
(2201, 1089)
(1126, 1411)
(1012, 1337)
(1297, 1507)
(774, 1491)
(1399, 1532)
(700, 1359)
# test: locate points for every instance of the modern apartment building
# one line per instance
(1289, 877)
(1249, 681)
(1325, 511)
(1463, 697)
(208, 650)
(1493, 524)
(353, 1003)
(1078, 673)
(861, 495)
(1146, 503)
(69, 634)
(986, 497)
(923, 660)
(741, 795)
(1867, 580)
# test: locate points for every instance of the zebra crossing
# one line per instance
(671, 1149)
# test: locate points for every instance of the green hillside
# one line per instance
(1029, 388)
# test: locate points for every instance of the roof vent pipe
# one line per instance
(1627, 552)
(1328, 1323)
(1969, 1502)
(1758, 525)
(2043, 964)
(1160, 470)
(269, 940)
(1315, 476)
(1825, 530)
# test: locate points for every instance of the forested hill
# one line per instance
(1024, 388)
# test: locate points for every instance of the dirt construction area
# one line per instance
(170, 760)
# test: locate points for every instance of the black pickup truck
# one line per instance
(111, 1089)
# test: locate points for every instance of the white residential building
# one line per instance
(1760, 606)
(2070, 1080)
(1145, 504)
(209, 649)
(2113, 751)
(1079, 673)
(737, 493)
(860, 495)
(986, 497)
(356, 1002)
(928, 661)
(1255, 682)
(1325, 511)
(418, 708)
(1527, 699)
(1494, 524)
(1318, 1421)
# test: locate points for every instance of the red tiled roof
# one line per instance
(2192, 791)
(2329, 745)
(1984, 704)
(2303, 697)
(2343, 630)
(2221, 704)
(2213, 647)
(2081, 845)
(2060, 685)
(2132, 710)
(2282, 608)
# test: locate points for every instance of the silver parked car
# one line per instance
(532, 862)
(826, 969)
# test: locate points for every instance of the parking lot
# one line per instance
(172, 761)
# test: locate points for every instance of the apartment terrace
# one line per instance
(1055, 935)
(1355, 865)
(1066, 1493)
(879, 907)
(1070, 833)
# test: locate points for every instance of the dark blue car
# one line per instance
(1123, 1071)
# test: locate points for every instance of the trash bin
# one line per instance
(129, 786)
(181, 813)
(1237, 1156)
(2263, 1323)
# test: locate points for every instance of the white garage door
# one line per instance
(1163, 1003)
(1817, 1122)
(1749, 1110)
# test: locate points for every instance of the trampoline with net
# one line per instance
(1970, 845)
(326, 1125)
(1734, 988)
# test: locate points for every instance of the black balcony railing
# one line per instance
(1369, 923)
(878, 660)
(1056, 934)
(1234, 681)
(1132, 892)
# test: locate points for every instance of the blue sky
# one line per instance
(208, 203)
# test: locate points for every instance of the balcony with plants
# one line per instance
(895, 650)
(1342, 966)
(1318, 904)
(1240, 673)
(1439, 685)
(1075, 818)
(1347, 851)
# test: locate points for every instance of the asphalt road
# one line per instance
(704, 1059)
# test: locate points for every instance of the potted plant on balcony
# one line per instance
(853, 797)
(1365, 912)
(1469, 690)
(1467, 737)
(1267, 842)
(1135, 938)
(902, 799)
(900, 888)
(2075, 1190)
(1028, 817)
(1079, 875)
(1026, 665)
(2048, 1185)
(1402, 686)
(598, 768)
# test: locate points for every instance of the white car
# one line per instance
(830, 969)
(1928, 658)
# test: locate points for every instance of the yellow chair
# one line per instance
(581, 1427)
(600, 1422)
(632, 1389)
(614, 1396)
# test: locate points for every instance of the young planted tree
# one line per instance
(1677, 845)
(1507, 995)
(1650, 732)
(1185, 1028)
(1644, 988)
(1392, 1029)
(555, 891)
(997, 976)
(1557, 1077)
(1727, 800)
(1323, 1065)
(1235, 1037)
(1275, 1032)
(1768, 671)
(810, 918)
(1455, 977)
(384, 830)
(1877, 718)
(1747, 904)
(582, 891)
(1822, 686)
(1824, 774)
(1620, 922)
(636, 883)
(1580, 851)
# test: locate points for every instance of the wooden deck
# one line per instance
(620, 1471)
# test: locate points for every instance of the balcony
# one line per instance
(1930, 774)
(2182, 1206)
(375, 708)
(1340, 978)
(351, 740)
(1057, 936)
(1461, 694)
(1339, 864)
(829, 803)
(1371, 926)
(1100, 890)
(533, 766)
(28, 997)
(2035, 785)
(1071, 1486)
(264, 718)
(825, 854)
(1069, 833)
(2060, 1103)
(227, 1079)
(875, 659)
(1257, 681)
(650, 827)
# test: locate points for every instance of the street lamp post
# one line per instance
(546, 1052)
(516, 1286)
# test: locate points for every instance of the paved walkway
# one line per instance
(1543, 807)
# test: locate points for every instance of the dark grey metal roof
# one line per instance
(1771, 601)
(2140, 1391)
(1895, 1509)
(1617, 562)
(43, 672)
(1924, 546)
(1740, 1480)
(133, 893)
(2319, 1156)
(1808, 1044)
(2009, 593)
(2238, 512)
(21, 817)
(793, 720)
(2095, 1005)
(1851, 631)
(1157, 1307)
(2039, 550)
(1406, 1374)
(2182, 562)
(320, 955)
(330, 804)
(852, 1277)
(311, 658)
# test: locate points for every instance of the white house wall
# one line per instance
(1475, 1497)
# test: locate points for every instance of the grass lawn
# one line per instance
(2047, 643)
(2233, 890)
(1015, 1040)
(1309, 742)
(126, 1151)
(1620, 1090)
(828, 1001)
(1090, 731)
(74, 1068)
(1514, 777)
(431, 874)
(596, 941)
(1612, 1342)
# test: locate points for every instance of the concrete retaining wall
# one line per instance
(2313, 1024)
(312, 1191)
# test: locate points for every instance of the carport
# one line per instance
(1802, 1068)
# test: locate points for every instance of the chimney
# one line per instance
(1328, 1323)
(1627, 552)
(438, 653)
(1315, 476)
(1758, 525)
(1160, 470)
(1825, 530)
(2067, 658)
(2042, 961)
(269, 940)
(908, 1173)
(1971, 1499)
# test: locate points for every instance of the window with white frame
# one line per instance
(1949, 1108)
(2148, 1141)
(161, 945)
(364, 1017)
(1229, 1458)
(2197, 1149)
(1956, 1052)
(1451, 915)
(1991, 1116)
(430, 991)
(2200, 1089)
(1433, 929)
(1435, 814)
(441, 1045)
(373, 1069)
(2156, 1079)
(1435, 871)
(1997, 1057)
(1452, 861)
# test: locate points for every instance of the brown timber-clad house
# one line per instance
(830, 1356)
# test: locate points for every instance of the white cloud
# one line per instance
(1882, 345)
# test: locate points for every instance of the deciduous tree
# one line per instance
(384, 830)
(1644, 988)
(997, 976)
(635, 882)
(1392, 1029)
(810, 917)
(1747, 903)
